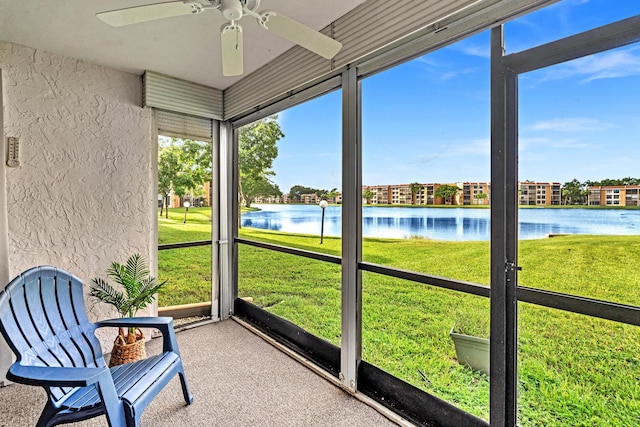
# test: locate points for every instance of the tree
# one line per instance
(608, 181)
(184, 165)
(479, 197)
(367, 195)
(297, 191)
(257, 149)
(446, 192)
(168, 168)
(331, 194)
(415, 187)
(261, 186)
(197, 196)
(574, 192)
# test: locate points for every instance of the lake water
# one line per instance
(442, 223)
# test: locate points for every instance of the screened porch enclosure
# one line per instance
(362, 324)
(358, 355)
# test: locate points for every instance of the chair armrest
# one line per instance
(138, 322)
(163, 324)
(56, 376)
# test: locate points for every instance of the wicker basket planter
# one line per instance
(124, 352)
(135, 289)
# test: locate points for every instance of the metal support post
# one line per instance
(503, 382)
(351, 348)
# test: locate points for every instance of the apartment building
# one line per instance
(473, 193)
(400, 194)
(614, 195)
(177, 201)
(476, 193)
(304, 198)
(379, 194)
(269, 199)
(540, 193)
(426, 195)
(337, 199)
(309, 199)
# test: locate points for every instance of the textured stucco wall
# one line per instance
(83, 194)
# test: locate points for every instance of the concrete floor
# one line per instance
(236, 378)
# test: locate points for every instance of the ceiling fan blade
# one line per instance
(300, 34)
(150, 12)
(231, 47)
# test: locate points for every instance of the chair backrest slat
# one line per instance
(48, 349)
(64, 345)
(10, 324)
(37, 353)
(87, 328)
(64, 286)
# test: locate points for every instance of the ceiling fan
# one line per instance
(230, 32)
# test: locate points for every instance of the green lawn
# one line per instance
(574, 370)
(174, 229)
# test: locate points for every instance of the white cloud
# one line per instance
(525, 143)
(475, 147)
(482, 51)
(428, 60)
(444, 70)
(571, 124)
(455, 73)
(481, 146)
(535, 143)
(606, 65)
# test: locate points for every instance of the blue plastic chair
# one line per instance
(43, 319)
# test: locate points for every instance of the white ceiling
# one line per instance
(187, 47)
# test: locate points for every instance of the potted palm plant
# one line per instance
(138, 289)
(470, 335)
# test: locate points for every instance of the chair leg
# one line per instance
(47, 415)
(185, 389)
(113, 407)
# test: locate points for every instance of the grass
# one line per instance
(573, 369)
(188, 270)
(175, 230)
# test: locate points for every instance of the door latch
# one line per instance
(510, 266)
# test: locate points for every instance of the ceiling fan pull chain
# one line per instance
(237, 36)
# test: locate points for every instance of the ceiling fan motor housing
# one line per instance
(231, 9)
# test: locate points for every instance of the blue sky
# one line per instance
(427, 120)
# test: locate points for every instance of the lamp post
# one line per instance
(323, 204)
(186, 209)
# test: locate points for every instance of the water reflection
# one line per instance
(442, 223)
(264, 223)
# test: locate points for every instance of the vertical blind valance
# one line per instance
(184, 126)
(180, 96)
